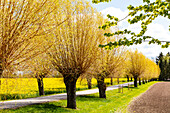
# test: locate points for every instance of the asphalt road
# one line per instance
(30, 101)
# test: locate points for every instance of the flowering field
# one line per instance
(16, 88)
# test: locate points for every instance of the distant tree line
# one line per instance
(164, 63)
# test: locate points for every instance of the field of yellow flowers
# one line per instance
(17, 88)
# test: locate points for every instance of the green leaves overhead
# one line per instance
(145, 14)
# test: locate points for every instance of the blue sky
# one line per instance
(158, 29)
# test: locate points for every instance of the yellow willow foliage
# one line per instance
(109, 62)
(38, 66)
(152, 70)
(24, 24)
(76, 41)
(137, 63)
(140, 66)
(157, 71)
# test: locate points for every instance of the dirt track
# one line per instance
(154, 100)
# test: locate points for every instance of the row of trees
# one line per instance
(141, 68)
(164, 63)
(50, 35)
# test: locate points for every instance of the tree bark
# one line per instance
(143, 81)
(135, 82)
(118, 80)
(70, 83)
(102, 87)
(127, 78)
(131, 78)
(89, 83)
(1, 70)
(40, 85)
(139, 81)
(111, 80)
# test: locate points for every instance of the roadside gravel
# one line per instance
(155, 100)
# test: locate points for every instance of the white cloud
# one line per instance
(152, 50)
(115, 12)
(157, 31)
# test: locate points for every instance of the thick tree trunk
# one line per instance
(135, 82)
(139, 81)
(70, 83)
(111, 81)
(131, 78)
(89, 82)
(127, 78)
(102, 87)
(40, 86)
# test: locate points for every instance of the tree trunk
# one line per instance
(111, 81)
(118, 80)
(89, 83)
(102, 87)
(131, 78)
(139, 81)
(127, 78)
(1, 71)
(135, 82)
(70, 83)
(40, 86)
(143, 81)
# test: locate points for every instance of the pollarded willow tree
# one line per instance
(152, 70)
(107, 64)
(22, 23)
(141, 67)
(137, 65)
(75, 44)
(40, 67)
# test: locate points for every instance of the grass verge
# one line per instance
(115, 102)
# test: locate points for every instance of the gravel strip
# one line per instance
(155, 100)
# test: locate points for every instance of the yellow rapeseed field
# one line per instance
(29, 86)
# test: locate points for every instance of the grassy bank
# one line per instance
(115, 102)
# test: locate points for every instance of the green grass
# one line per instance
(115, 102)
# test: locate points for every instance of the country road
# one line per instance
(155, 100)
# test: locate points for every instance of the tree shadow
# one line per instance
(46, 108)
(131, 87)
